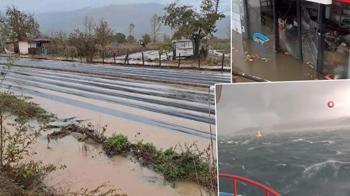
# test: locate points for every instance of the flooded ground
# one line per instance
(297, 163)
(260, 61)
(129, 100)
(87, 166)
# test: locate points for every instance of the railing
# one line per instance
(268, 191)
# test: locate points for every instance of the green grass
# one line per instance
(23, 109)
(117, 144)
(221, 44)
(187, 165)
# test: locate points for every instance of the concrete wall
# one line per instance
(236, 16)
(23, 47)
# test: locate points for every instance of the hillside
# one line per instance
(118, 16)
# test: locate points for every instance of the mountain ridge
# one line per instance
(118, 16)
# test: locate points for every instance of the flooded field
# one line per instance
(302, 163)
(130, 100)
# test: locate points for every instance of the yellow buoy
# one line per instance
(259, 134)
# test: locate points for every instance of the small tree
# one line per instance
(119, 38)
(76, 39)
(191, 24)
(131, 39)
(19, 25)
(156, 24)
(85, 42)
(146, 39)
(104, 37)
(58, 43)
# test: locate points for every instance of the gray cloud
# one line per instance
(283, 106)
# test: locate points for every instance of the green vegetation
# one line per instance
(116, 144)
(23, 109)
(146, 39)
(192, 24)
(16, 25)
(221, 44)
(189, 164)
(176, 164)
(19, 176)
(15, 145)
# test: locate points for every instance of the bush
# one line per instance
(185, 166)
(116, 144)
(148, 148)
(23, 109)
(30, 174)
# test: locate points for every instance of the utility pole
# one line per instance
(217, 6)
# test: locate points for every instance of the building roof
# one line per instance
(41, 40)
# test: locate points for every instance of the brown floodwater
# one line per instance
(161, 137)
(261, 61)
(88, 167)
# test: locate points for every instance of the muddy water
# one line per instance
(148, 133)
(268, 64)
(166, 115)
(88, 167)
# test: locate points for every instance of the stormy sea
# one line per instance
(302, 163)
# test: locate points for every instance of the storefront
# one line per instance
(314, 31)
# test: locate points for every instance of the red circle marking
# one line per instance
(330, 104)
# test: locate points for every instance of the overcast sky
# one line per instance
(262, 106)
(68, 5)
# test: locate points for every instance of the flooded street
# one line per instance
(130, 100)
(260, 61)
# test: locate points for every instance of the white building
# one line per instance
(183, 48)
(23, 47)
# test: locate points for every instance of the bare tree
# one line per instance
(156, 24)
(104, 36)
(84, 42)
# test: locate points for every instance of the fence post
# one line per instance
(160, 59)
(222, 61)
(179, 60)
(103, 57)
(126, 61)
(143, 59)
(199, 62)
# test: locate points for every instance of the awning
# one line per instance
(343, 1)
(326, 2)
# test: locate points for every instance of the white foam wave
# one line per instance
(315, 168)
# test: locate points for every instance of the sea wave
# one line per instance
(302, 140)
(316, 168)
